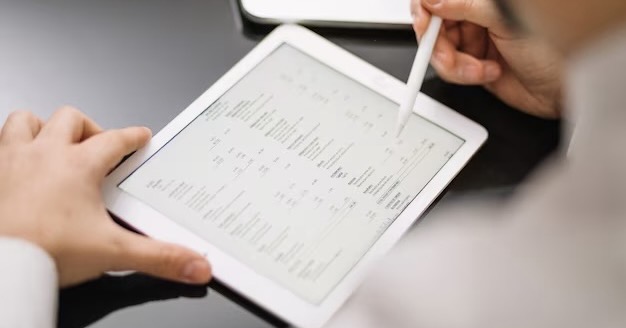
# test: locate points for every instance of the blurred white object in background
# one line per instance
(349, 13)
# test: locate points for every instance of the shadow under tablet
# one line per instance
(86, 304)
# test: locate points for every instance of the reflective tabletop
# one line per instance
(141, 62)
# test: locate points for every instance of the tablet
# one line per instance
(287, 174)
(349, 13)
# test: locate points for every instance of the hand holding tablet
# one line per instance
(288, 175)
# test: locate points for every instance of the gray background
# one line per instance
(140, 62)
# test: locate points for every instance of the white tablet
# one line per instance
(351, 13)
(288, 175)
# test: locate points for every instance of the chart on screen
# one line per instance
(295, 171)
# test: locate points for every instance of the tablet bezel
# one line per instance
(261, 290)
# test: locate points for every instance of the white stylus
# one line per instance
(418, 71)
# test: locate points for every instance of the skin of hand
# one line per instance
(569, 25)
(477, 47)
(50, 179)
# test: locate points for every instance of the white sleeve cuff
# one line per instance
(28, 286)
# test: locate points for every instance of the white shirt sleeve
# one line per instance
(429, 280)
(28, 286)
(549, 258)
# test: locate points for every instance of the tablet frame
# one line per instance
(259, 289)
(344, 13)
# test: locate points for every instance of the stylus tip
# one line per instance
(399, 129)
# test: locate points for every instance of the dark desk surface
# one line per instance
(143, 61)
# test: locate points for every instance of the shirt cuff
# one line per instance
(28, 286)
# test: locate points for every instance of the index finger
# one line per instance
(69, 124)
(479, 12)
(107, 149)
(421, 18)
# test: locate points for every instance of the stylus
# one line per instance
(418, 72)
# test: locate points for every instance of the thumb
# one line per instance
(159, 259)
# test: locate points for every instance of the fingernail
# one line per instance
(469, 72)
(492, 72)
(433, 2)
(146, 130)
(415, 13)
(196, 271)
(439, 56)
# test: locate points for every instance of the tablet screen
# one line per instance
(295, 171)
